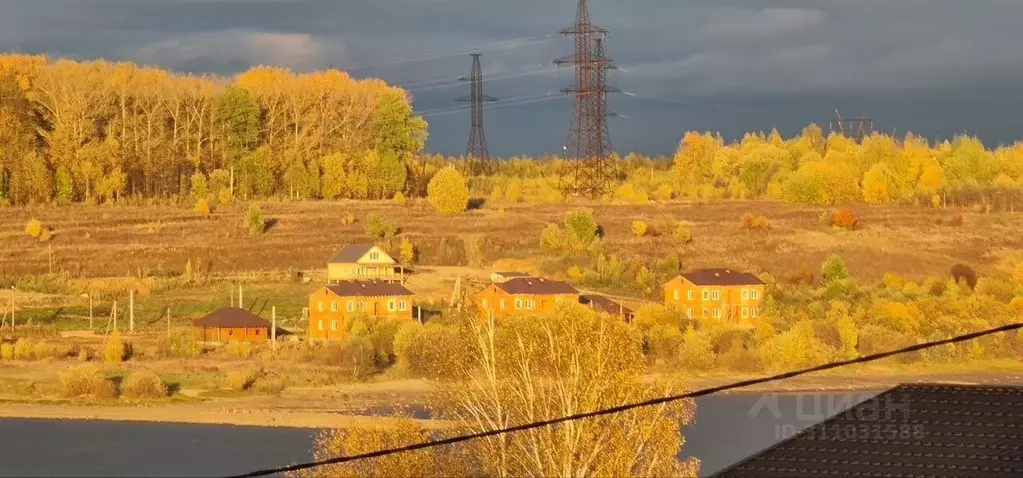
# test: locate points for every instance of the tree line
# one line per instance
(97, 131)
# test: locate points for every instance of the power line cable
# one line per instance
(462, 107)
(631, 406)
(498, 105)
(503, 45)
(485, 80)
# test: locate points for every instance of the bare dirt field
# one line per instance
(117, 241)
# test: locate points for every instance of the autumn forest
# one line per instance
(99, 132)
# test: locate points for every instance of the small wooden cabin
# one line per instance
(232, 324)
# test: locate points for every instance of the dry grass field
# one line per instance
(119, 241)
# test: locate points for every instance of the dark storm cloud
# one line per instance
(935, 66)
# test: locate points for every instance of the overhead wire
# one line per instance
(497, 105)
(541, 71)
(502, 45)
(464, 106)
(632, 406)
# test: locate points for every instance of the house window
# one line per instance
(675, 295)
(374, 255)
(518, 304)
(745, 312)
(755, 294)
(690, 314)
(390, 305)
(717, 313)
(364, 306)
(756, 312)
(333, 306)
(319, 325)
(402, 306)
(503, 304)
(706, 294)
(716, 295)
(351, 306)
(745, 294)
(333, 325)
(319, 306)
(257, 332)
(530, 304)
(705, 313)
(691, 295)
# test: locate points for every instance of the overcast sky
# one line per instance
(936, 67)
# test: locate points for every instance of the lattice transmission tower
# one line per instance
(477, 158)
(588, 169)
(856, 128)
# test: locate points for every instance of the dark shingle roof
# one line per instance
(721, 277)
(351, 253)
(908, 431)
(232, 317)
(536, 286)
(368, 288)
(604, 304)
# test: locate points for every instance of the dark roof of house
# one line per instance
(368, 288)
(351, 253)
(232, 317)
(606, 305)
(721, 277)
(910, 430)
(536, 286)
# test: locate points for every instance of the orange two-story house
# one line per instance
(731, 296)
(523, 296)
(332, 306)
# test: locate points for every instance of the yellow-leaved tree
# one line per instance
(448, 192)
(567, 362)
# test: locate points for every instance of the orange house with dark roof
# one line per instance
(524, 296)
(723, 294)
(332, 306)
(232, 324)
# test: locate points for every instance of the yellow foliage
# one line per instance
(448, 192)
(357, 440)
(202, 208)
(114, 349)
(144, 384)
(399, 199)
(34, 228)
(639, 228)
(79, 380)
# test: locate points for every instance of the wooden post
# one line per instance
(240, 297)
(273, 326)
(49, 254)
(131, 311)
(115, 316)
(12, 312)
(168, 324)
(419, 314)
(91, 326)
(232, 296)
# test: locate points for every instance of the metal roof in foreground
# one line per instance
(909, 431)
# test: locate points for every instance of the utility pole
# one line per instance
(854, 128)
(168, 324)
(49, 254)
(115, 316)
(588, 169)
(91, 326)
(273, 327)
(477, 157)
(131, 311)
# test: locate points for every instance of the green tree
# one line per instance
(237, 118)
(448, 192)
(834, 270)
(200, 188)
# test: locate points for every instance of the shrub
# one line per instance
(964, 273)
(826, 218)
(400, 199)
(254, 220)
(34, 228)
(514, 191)
(202, 208)
(242, 350)
(271, 384)
(143, 384)
(46, 234)
(79, 380)
(834, 270)
(801, 276)
(955, 220)
(697, 350)
(751, 222)
(43, 350)
(380, 228)
(639, 228)
(448, 192)
(664, 225)
(580, 229)
(496, 194)
(404, 339)
(575, 273)
(407, 251)
(844, 218)
(23, 349)
(663, 192)
(224, 197)
(348, 219)
(682, 235)
(6, 351)
(114, 349)
(241, 380)
(200, 187)
(551, 238)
